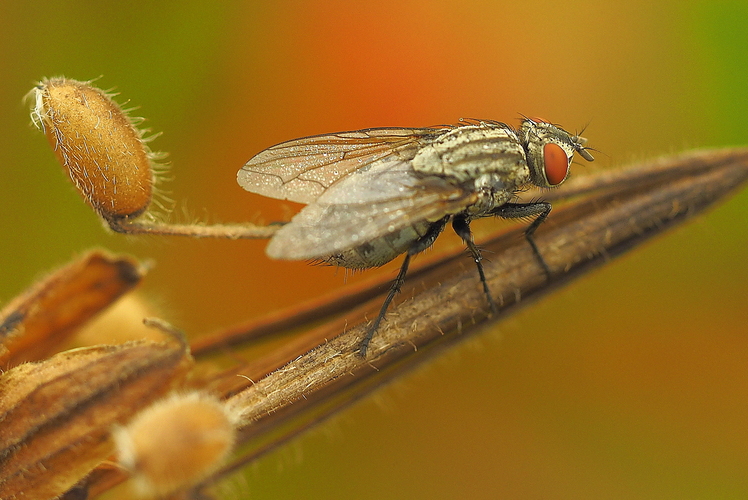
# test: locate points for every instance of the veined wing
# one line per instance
(368, 204)
(302, 169)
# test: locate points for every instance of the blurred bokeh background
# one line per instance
(630, 383)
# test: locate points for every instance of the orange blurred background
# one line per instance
(629, 383)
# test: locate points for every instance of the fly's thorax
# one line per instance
(379, 251)
(467, 152)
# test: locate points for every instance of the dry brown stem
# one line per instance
(320, 371)
(445, 301)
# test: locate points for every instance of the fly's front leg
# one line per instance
(537, 209)
(462, 227)
(418, 246)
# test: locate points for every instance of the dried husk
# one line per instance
(36, 323)
(56, 415)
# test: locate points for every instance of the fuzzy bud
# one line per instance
(97, 144)
(175, 443)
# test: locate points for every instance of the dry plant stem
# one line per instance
(444, 299)
(576, 238)
(229, 231)
(634, 177)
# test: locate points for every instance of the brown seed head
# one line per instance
(97, 143)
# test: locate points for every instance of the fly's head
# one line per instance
(550, 150)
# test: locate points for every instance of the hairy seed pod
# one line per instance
(175, 443)
(97, 144)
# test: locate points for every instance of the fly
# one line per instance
(377, 193)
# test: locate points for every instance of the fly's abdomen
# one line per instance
(379, 251)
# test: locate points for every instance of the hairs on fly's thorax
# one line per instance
(481, 123)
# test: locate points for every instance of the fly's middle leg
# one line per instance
(394, 289)
(462, 227)
(539, 210)
(418, 246)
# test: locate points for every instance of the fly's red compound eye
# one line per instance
(537, 119)
(555, 163)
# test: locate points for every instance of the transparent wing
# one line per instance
(302, 169)
(368, 204)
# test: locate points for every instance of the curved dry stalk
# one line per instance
(295, 388)
(445, 301)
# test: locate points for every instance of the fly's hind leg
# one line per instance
(418, 246)
(537, 209)
(462, 227)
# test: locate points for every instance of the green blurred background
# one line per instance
(630, 383)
